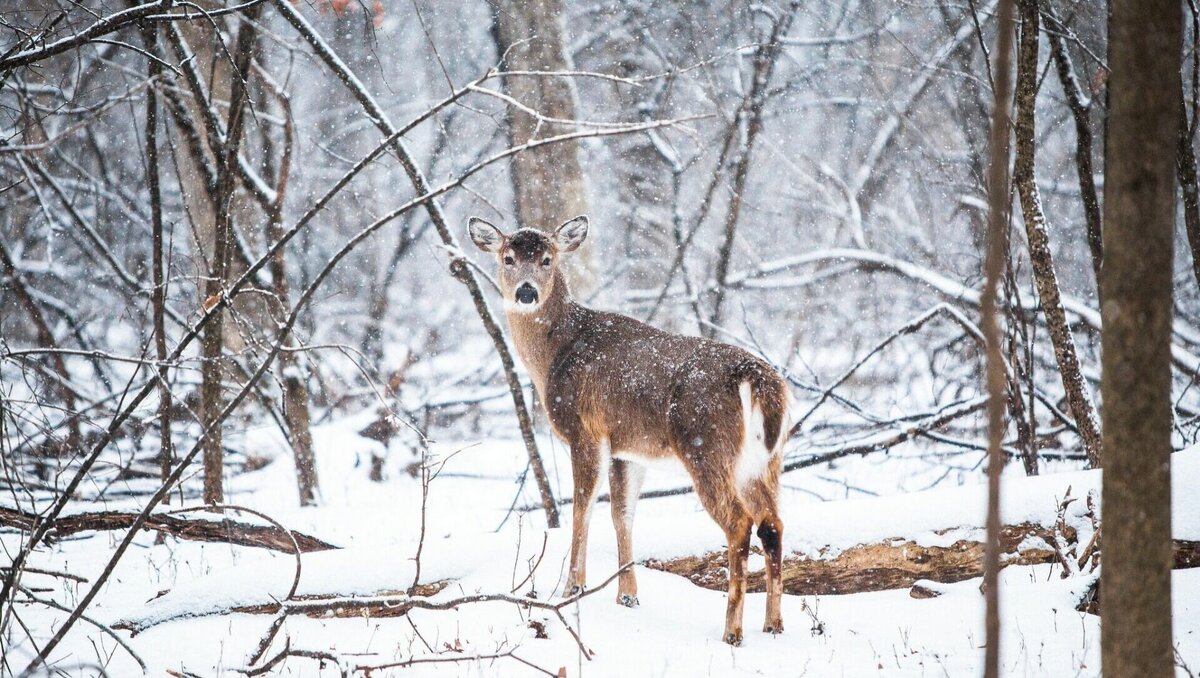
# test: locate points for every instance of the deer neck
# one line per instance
(538, 335)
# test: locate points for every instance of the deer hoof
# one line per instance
(628, 600)
(773, 629)
(734, 639)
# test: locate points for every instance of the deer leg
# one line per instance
(721, 499)
(586, 462)
(770, 533)
(760, 498)
(624, 484)
(737, 532)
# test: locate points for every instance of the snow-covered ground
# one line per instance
(174, 587)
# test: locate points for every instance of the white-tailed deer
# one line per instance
(620, 392)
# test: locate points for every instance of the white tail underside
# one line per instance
(755, 452)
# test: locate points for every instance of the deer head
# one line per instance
(527, 259)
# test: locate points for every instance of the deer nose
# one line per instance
(527, 294)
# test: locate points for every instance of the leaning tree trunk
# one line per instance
(1144, 52)
(212, 399)
(548, 181)
(1079, 397)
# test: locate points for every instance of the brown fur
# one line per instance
(607, 378)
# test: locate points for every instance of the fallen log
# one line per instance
(224, 530)
(891, 564)
(382, 604)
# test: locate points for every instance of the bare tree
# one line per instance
(745, 127)
(999, 204)
(1144, 52)
(548, 182)
(212, 346)
(293, 370)
(1081, 107)
(1079, 397)
(159, 294)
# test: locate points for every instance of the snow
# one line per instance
(180, 592)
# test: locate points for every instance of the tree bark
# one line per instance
(548, 181)
(1079, 397)
(158, 296)
(211, 396)
(999, 203)
(1186, 153)
(293, 372)
(1144, 53)
(892, 564)
(1189, 186)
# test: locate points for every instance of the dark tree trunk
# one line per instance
(1186, 154)
(1186, 164)
(211, 396)
(159, 294)
(1144, 52)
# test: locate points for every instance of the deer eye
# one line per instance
(508, 261)
(546, 261)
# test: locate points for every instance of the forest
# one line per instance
(271, 402)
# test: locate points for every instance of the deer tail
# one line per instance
(766, 396)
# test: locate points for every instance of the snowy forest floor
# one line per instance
(182, 592)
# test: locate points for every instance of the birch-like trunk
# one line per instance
(1079, 397)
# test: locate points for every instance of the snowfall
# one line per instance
(179, 592)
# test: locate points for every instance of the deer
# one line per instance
(622, 394)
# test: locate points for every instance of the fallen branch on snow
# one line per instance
(225, 530)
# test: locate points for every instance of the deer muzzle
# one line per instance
(527, 294)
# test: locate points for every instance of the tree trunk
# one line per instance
(999, 204)
(1079, 397)
(1081, 111)
(750, 115)
(1186, 154)
(212, 398)
(547, 181)
(1189, 187)
(159, 294)
(292, 370)
(1144, 52)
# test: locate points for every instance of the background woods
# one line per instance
(231, 276)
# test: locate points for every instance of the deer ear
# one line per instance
(485, 236)
(571, 235)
